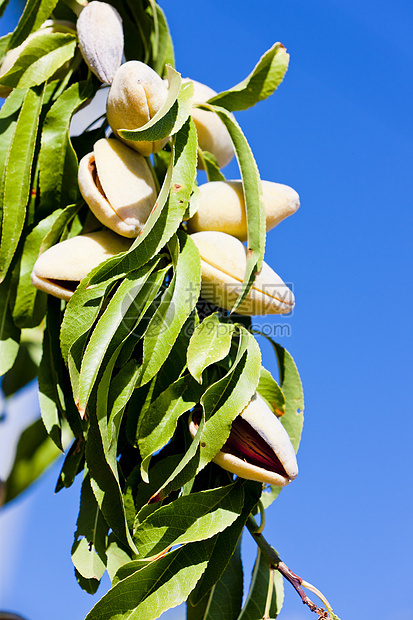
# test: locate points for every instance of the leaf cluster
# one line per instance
(136, 350)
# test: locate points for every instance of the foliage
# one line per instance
(136, 350)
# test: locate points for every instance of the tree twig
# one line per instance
(275, 561)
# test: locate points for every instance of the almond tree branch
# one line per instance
(275, 561)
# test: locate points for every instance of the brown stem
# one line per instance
(296, 582)
(275, 561)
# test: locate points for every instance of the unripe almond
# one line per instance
(222, 207)
(118, 186)
(223, 263)
(258, 447)
(136, 95)
(100, 34)
(59, 269)
(213, 136)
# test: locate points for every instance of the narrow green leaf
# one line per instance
(137, 31)
(9, 333)
(210, 165)
(158, 586)
(59, 226)
(30, 304)
(35, 13)
(133, 296)
(18, 176)
(3, 6)
(190, 518)
(186, 468)
(155, 29)
(175, 307)
(57, 159)
(257, 596)
(165, 52)
(225, 599)
(72, 464)
(105, 482)
(55, 395)
(253, 200)
(142, 492)
(266, 76)
(119, 393)
(166, 122)
(51, 396)
(225, 399)
(210, 343)
(271, 392)
(9, 114)
(35, 452)
(24, 369)
(158, 423)
(81, 313)
(116, 556)
(224, 545)
(40, 59)
(292, 389)
(89, 545)
(269, 495)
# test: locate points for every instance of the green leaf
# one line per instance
(3, 6)
(9, 114)
(172, 115)
(210, 165)
(30, 304)
(40, 59)
(210, 343)
(224, 545)
(269, 495)
(72, 464)
(257, 596)
(133, 297)
(165, 50)
(51, 395)
(35, 13)
(9, 333)
(81, 312)
(17, 177)
(35, 452)
(266, 76)
(226, 398)
(137, 30)
(57, 229)
(142, 492)
(175, 307)
(190, 518)
(253, 200)
(116, 556)
(271, 392)
(157, 423)
(24, 369)
(292, 389)
(158, 586)
(89, 545)
(105, 482)
(225, 599)
(57, 159)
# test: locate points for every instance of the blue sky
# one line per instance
(338, 130)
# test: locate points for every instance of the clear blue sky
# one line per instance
(339, 130)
